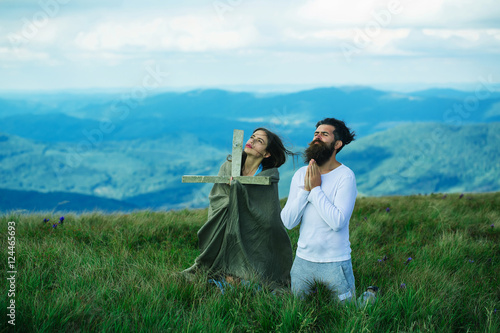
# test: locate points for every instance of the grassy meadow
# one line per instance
(436, 259)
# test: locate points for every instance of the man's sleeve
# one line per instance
(337, 211)
(291, 215)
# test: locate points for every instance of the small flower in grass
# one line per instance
(46, 220)
(54, 225)
(387, 209)
(403, 286)
(492, 225)
(461, 196)
(471, 261)
(365, 218)
(61, 219)
(383, 259)
(444, 196)
(408, 260)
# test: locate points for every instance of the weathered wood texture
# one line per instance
(235, 169)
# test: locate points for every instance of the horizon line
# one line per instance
(260, 88)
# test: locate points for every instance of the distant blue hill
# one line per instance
(12, 200)
(146, 174)
(64, 118)
(52, 127)
(455, 94)
(136, 151)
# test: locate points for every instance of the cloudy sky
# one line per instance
(104, 44)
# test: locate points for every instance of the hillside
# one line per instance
(135, 151)
(116, 170)
(427, 158)
(407, 159)
(62, 117)
(435, 258)
(32, 201)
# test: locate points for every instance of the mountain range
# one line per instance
(124, 153)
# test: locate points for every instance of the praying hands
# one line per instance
(313, 176)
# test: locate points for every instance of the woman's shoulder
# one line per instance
(271, 172)
(225, 168)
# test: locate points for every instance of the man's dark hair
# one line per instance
(341, 132)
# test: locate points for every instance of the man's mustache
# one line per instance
(317, 141)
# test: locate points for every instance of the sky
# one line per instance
(149, 45)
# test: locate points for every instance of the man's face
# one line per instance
(324, 133)
(322, 146)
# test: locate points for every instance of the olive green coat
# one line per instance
(244, 236)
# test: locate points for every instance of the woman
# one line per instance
(244, 237)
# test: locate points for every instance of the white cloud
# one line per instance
(471, 35)
(400, 13)
(336, 13)
(8, 55)
(380, 39)
(452, 43)
(319, 34)
(256, 41)
(182, 34)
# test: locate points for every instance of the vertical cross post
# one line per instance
(236, 153)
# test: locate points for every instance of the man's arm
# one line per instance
(291, 215)
(337, 211)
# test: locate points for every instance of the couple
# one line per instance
(245, 236)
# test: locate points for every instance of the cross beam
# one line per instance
(235, 170)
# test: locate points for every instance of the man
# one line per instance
(321, 199)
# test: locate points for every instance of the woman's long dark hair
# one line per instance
(275, 147)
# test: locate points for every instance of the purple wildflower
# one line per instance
(383, 259)
(444, 196)
(461, 196)
(46, 220)
(61, 219)
(54, 226)
(408, 260)
(492, 225)
(471, 261)
(402, 286)
(365, 218)
(387, 209)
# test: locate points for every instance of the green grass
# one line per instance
(116, 273)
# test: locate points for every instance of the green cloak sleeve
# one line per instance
(244, 236)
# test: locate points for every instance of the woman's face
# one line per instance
(257, 144)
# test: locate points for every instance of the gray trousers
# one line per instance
(338, 276)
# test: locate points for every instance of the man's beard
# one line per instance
(320, 152)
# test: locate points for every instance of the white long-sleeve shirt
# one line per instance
(323, 213)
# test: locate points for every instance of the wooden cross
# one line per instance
(236, 168)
